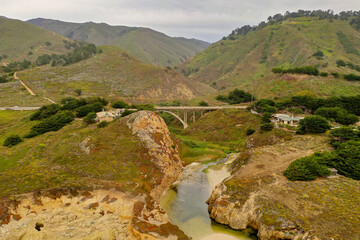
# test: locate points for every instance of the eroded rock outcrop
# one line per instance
(257, 195)
(105, 211)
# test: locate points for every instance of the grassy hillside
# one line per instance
(113, 73)
(59, 159)
(246, 61)
(18, 38)
(146, 44)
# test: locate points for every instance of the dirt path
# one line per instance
(26, 87)
(29, 89)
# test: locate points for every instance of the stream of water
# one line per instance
(187, 208)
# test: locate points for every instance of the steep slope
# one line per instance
(20, 40)
(246, 61)
(113, 73)
(84, 182)
(148, 45)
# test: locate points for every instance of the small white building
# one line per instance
(286, 119)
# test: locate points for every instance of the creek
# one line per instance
(186, 204)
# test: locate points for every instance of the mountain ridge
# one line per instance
(146, 44)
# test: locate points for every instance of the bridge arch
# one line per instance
(177, 117)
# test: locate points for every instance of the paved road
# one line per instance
(19, 108)
(200, 108)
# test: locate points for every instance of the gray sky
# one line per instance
(203, 19)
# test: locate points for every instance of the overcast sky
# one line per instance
(203, 19)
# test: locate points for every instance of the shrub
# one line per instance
(352, 77)
(267, 126)
(12, 141)
(102, 124)
(343, 134)
(119, 104)
(203, 104)
(313, 124)
(346, 159)
(127, 112)
(78, 92)
(309, 70)
(305, 169)
(335, 74)
(45, 112)
(3, 79)
(337, 114)
(235, 97)
(70, 103)
(142, 107)
(86, 109)
(168, 118)
(90, 118)
(340, 63)
(52, 123)
(295, 110)
(324, 74)
(318, 54)
(250, 131)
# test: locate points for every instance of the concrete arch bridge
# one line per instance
(186, 113)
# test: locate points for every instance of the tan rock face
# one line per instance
(153, 132)
(102, 214)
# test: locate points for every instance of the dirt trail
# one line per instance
(26, 87)
(29, 89)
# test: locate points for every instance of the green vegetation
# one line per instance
(250, 131)
(203, 104)
(309, 70)
(266, 124)
(99, 76)
(90, 118)
(52, 123)
(352, 77)
(146, 44)
(305, 169)
(119, 104)
(348, 46)
(12, 141)
(337, 114)
(345, 158)
(102, 124)
(313, 124)
(235, 97)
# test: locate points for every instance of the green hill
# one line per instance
(113, 73)
(246, 60)
(146, 44)
(20, 40)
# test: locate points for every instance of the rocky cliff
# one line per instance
(258, 196)
(104, 208)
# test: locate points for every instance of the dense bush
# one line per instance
(250, 131)
(313, 124)
(43, 60)
(127, 112)
(352, 77)
(267, 126)
(3, 79)
(324, 74)
(102, 124)
(168, 118)
(70, 103)
(337, 114)
(340, 63)
(119, 104)
(52, 123)
(203, 104)
(81, 52)
(86, 109)
(90, 118)
(236, 96)
(309, 70)
(12, 141)
(305, 169)
(45, 112)
(142, 107)
(347, 159)
(344, 134)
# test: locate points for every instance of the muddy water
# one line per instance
(187, 208)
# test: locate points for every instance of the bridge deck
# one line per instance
(200, 107)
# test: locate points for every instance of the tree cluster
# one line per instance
(336, 114)
(308, 70)
(320, 14)
(235, 97)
